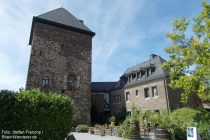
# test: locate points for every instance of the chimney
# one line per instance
(152, 56)
(81, 21)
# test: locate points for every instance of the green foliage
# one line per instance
(189, 63)
(129, 127)
(126, 129)
(82, 128)
(33, 110)
(119, 131)
(177, 122)
(74, 122)
(185, 117)
(131, 124)
(112, 119)
(134, 113)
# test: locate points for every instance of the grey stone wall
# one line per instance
(58, 54)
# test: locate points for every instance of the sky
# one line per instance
(127, 32)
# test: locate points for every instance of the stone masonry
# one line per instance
(62, 55)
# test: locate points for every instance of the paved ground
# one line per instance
(87, 136)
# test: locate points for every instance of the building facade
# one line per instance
(60, 61)
(146, 87)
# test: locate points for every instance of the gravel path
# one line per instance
(87, 136)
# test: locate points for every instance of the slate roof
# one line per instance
(61, 18)
(102, 86)
(155, 61)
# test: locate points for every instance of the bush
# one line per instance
(112, 119)
(82, 128)
(51, 114)
(130, 127)
(185, 117)
(176, 123)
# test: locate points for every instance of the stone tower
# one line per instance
(60, 60)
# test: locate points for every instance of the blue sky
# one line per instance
(127, 32)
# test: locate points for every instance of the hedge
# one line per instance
(176, 123)
(49, 113)
(82, 128)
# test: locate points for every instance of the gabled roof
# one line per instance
(102, 86)
(64, 17)
(61, 18)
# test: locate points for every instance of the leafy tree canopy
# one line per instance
(189, 55)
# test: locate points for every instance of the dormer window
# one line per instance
(45, 81)
(129, 78)
(138, 75)
(71, 82)
(147, 72)
(152, 70)
(133, 76)
(142, 73)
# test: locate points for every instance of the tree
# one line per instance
(189, 55)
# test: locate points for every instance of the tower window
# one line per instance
(71, 82)
(45, 81)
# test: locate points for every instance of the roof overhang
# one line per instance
(37, 19)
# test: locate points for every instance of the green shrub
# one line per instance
(112, 119)
(130, 127)
(119, 131)
(82, 128)
(33, 110)
(185, 117)
(126, 129)
(176, 123)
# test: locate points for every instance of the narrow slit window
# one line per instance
(45, 81)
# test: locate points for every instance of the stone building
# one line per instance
(146, 86)
(60, 61)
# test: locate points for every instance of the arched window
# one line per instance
(45, 81)
(71, 82)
